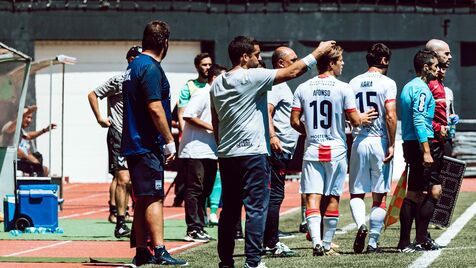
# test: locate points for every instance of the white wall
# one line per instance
(85, 150)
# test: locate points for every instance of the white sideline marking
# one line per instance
(83, 214)
(37, 248)
(189, 245)
(445, 238)
(349, 227)
(289, 211)
(174, 216)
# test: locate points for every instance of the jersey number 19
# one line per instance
(325, 109)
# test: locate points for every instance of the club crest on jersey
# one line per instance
(421, 105)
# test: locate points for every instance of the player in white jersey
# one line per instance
(324, 102)
(373, 146)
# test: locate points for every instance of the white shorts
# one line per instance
(368, 173)
(325, 178)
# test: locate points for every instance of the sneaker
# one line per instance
(260, 265)
(280, 250)
(407, 249)
(303, 227)
(331, 252)
(205, 234)
(429, 245)
(196, 236)
(239, 236)
(359, 242)
(285, 235)
(129, 218)
(213, 219)
(122, 231)
(318, 250)
(371, 249)
(162, 256)
(143, 256)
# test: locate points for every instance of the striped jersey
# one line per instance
(322, 102)
(372, 91)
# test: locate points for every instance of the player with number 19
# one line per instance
(324, 102)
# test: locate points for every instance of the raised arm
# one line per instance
(299, 67)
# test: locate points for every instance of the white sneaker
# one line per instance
(280, 249)
(260, 265)
(213, 219)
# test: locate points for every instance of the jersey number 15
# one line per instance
(368, 96)
(325, 109)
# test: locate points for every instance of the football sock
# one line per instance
(377, 216)
(313, 219)
(407, 214)
(426, 209)
(357, 207)
(331, 218)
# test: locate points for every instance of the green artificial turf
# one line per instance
(89, 229)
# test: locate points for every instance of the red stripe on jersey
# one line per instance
(390, 100)
(350, 110)
(296, 109)
(324, 153)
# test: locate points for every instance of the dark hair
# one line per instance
(133, 52)
(200, 57)
(240, 45)
(155, 34)
(421, 58)
(375, 54)
(326, 59)
(215, 70)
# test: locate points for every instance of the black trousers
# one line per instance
(279, 165)
(200, 176)
(245, 181)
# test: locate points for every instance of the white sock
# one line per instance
(357, 207)
(377, 216)
(330, 226)
(314, 228)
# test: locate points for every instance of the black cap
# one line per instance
(134, 51)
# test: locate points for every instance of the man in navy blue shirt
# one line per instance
(147, 141)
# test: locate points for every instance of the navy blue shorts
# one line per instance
(147, 174)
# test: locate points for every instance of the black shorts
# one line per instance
(116, 161)
(147, 174)
(422, 178)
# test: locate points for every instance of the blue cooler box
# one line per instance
(39, 205)
(9, 212)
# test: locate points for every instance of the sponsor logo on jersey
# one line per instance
(127, 75)
(244, 143)
(421, 105)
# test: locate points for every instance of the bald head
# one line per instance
(283, 57)
(442, 50)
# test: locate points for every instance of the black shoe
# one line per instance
(143, 256)
(318, 250)
(303, 227)
(285, 235)
(122, 231)
(371, 249)
(429, 245)
(239, 235)
(359, 242)
(197, 236)
(161, 256)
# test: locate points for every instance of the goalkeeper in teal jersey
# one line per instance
(418, 108)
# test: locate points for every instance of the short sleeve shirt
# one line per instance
(188, 90)
(112, 90)
(197, 142)
(240, 101)
(323, 102)
(144, 82)
(372, 91)
(281, 98)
